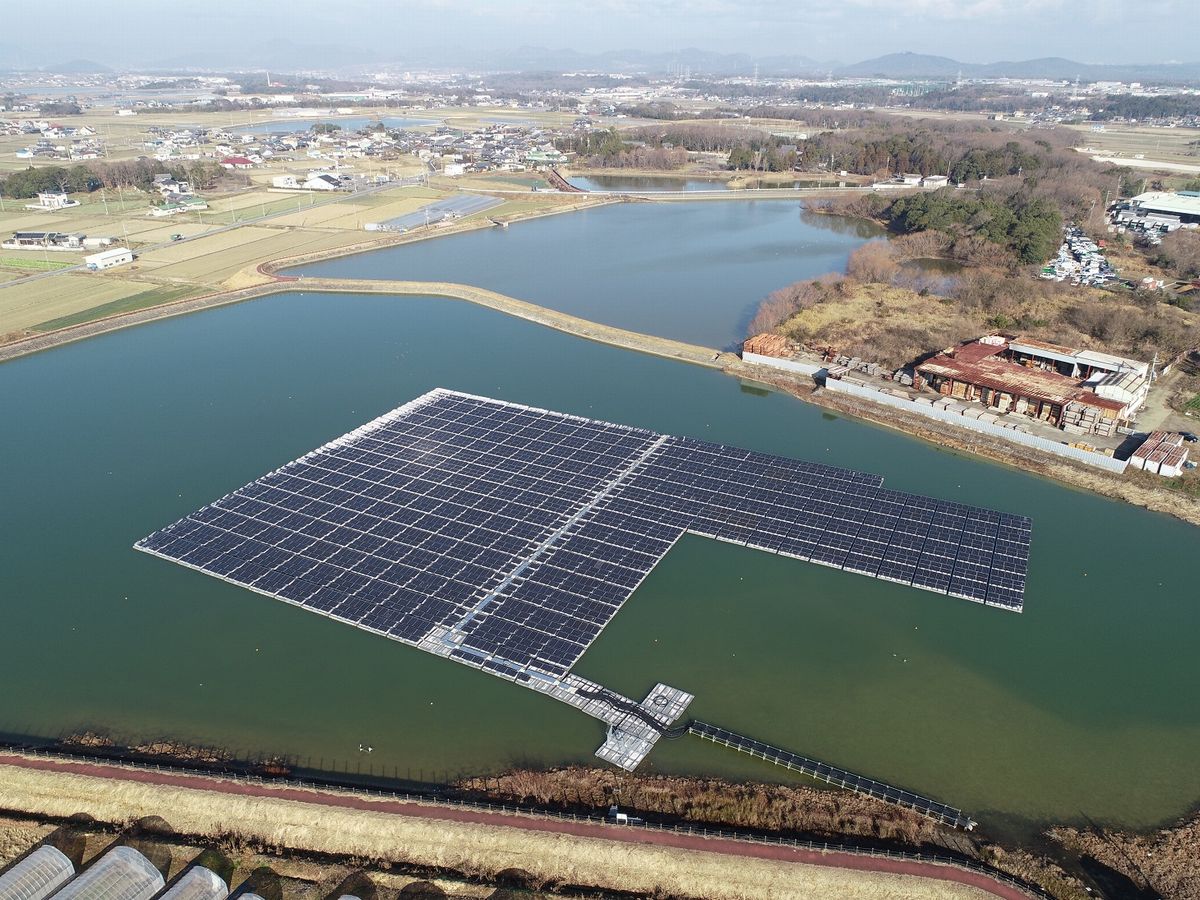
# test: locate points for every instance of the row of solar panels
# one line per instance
(832, 774)
(453, 207)
(447, 514)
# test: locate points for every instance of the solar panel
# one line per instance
(507, 537)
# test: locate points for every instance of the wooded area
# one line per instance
(92, 176)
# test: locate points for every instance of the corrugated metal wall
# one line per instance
(1017, 437)
(789, 365)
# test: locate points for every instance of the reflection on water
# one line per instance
(694, 272)
(726, 181)
(848, 225)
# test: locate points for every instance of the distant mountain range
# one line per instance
(79, 67)
(282, 55)
(918, 65)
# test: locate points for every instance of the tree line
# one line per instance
(1127, 106)
(962, 153)
(1028, 227)
(928, 312)
(88, 177)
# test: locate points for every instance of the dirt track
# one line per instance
(610, 833)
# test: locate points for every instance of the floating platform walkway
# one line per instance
(939, 812)
(506, 538)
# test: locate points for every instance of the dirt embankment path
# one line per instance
(607, 334)
(1128, 488)
(477, 841)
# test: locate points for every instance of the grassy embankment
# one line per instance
(213, 262)
(484, 851)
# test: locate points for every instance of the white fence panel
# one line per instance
(788, 365)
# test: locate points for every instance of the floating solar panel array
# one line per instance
(457, 206)
(507, 537)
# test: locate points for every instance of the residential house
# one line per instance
(52, 200)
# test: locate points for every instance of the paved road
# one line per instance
(727, 846)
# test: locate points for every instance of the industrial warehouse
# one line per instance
(1080, 391)
(1015, 379)
(1159, 211)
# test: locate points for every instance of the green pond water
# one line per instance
(1086, 703)
(694, 272)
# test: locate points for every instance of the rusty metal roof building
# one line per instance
(1001, 375)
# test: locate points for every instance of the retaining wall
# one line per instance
(789, 365)
(1096, 460)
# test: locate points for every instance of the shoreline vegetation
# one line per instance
(521, 851)
(263, 280)
(1065, 860)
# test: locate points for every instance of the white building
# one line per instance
(454, 169)
(1162, 209)
(322, 181)
(49, 200)
(1127, 387)
(117, 256)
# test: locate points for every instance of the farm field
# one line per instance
(213, 259)
(29, 306)
(36, 261)
(353, 216)
(1178, 145)
(328, 216)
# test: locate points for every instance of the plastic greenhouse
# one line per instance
(37, 876)
(198, 883)
(120, 874)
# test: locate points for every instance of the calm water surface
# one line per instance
(644, 183)
(690, 271)
(1084, 704)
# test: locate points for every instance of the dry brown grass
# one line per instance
(889, 325)
(767, 807)
(17, 836)
(476, 850)
(1166, 862)
(896, 324)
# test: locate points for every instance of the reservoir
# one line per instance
(1083, 704)
(647, 183)
(694, 272)
(656, 183)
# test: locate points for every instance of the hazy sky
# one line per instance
(131, 32)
